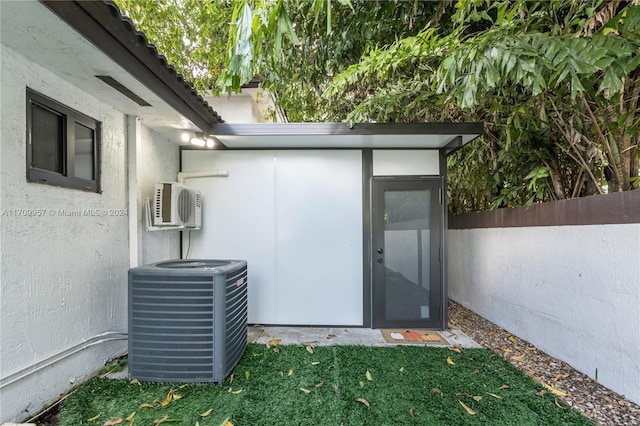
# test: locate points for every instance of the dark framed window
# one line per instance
(63, 145)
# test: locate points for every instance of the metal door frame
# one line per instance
(437, 220)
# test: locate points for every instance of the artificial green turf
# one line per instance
(401, 392)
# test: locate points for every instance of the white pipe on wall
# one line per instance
(213, 173)
(95, 340)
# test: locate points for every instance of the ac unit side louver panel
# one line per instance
(177, 205)
(187, 320)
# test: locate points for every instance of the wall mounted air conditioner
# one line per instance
(177, 205)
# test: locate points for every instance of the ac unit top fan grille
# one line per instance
(187, 320)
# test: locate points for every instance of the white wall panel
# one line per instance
(238, 220)
(319, 237)
(405, 162)
(296, 217)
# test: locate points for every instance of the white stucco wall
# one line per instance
(239, 108)
(572, 291)
(63, 278)
(159, 163)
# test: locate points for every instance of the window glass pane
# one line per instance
(84, 152)
(47, 149)
(407, 248)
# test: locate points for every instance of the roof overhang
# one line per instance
(441, 136)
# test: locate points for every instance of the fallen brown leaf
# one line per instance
(467, 409)
(363, 401)
(206, 413)
(274, 342)
(310, 349)
(161, 420)
(330, 336)
(504, 387)
(475, 371)
(167, 399)
(436, 390)
(135, 382)
(319, 385)
(478, 398)
(411, 411)
(113, 422)
(553, 390)
(541, 392)
(494, 395)
(560, 376)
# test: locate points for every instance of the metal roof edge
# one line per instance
(274, 129)
(102, 24)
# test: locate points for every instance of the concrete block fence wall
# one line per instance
(564, 276)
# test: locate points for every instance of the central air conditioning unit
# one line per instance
(187, 320)
(177, 205)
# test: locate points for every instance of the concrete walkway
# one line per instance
(317, 336)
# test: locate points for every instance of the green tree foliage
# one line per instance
(191, 34)
(556, 82)
(298, 46)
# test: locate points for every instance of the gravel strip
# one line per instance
(590, 398)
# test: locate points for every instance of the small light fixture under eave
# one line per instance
(185, 136)
(198, 140)
(212, 141)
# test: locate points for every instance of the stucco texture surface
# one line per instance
(573, 291)
(64, 271)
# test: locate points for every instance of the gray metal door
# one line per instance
(406, 240)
